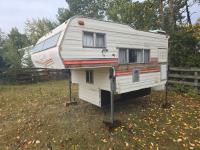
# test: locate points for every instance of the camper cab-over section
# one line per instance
(91, 48)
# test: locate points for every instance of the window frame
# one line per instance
(127, 55)
(43, 43)
(85, 46)
(90, 78)
(94, 40)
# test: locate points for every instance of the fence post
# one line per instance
(196, 80)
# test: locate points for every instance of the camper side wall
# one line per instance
(116, 36)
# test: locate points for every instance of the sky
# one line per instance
(14, 13)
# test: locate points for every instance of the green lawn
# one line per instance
(34, 117)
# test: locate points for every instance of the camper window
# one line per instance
(89, 76)
(95, 40)
(134, 56)
(146, 56)
(88, 39)
(46, 44)
(100, 40)
(123, 56)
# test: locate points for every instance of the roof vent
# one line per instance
(157, 31)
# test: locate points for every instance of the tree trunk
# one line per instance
(161, 15)
(171, 15)
(188, 13)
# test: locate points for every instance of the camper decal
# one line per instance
(46, 62)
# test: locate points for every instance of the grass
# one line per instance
(34, 117)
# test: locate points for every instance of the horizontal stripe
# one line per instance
(89, 62)
(143, 71)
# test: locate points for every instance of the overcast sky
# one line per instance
(13, 13)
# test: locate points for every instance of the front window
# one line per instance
(46, 44)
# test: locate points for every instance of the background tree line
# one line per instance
(172, 16)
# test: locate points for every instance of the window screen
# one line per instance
(89, 76)
(88, 39)
(100, 40)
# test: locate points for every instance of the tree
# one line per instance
(161, 14)
(183, 47)
(188, 12)
(2, 61)
(141, 15)
(88, 8)
(198, 21)
(63, 14)
(14, 41)
(37, 28)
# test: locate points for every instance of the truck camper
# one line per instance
(104, 58)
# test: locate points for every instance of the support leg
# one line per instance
(166, 103)
(70, 86)
(71, 101)
(112, 103)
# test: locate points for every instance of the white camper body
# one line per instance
(91, 48)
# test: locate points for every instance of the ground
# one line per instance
(34, 117)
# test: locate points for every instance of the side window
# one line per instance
(134, 56)
(88, 39)
(146, 56)
(122, 56)
(89, 77)
(136, 75)
(100, 40)
(95, 40)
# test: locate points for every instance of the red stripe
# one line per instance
(88, 62)
(120, 73)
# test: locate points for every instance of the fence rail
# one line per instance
(28, 75)
(186, 76)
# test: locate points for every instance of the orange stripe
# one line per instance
(120, 73)
(88, 62)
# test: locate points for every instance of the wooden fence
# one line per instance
(28, 75)
(185, 76)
